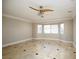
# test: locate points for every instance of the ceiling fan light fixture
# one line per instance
(41, 10)
(41, 6)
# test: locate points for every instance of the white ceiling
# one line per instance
(63, 9)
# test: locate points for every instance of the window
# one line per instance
(62, 28)
(39, 29)
(46, 28)
(54, 29)
(51, 29)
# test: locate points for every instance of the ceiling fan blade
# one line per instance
(34, 9)
(45, 10)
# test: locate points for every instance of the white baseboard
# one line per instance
(53, 39)
(9, 44)
(12, 43)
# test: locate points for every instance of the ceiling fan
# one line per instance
(41, 10)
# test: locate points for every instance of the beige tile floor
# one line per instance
(40, 49)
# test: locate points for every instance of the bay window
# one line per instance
(51, 29)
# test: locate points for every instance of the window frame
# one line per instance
(63, 29)
(41, 29)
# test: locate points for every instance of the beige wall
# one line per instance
(15, 30)
(68, 31)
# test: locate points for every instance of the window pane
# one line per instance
(62, 28)
(54, 28)
(46, 28)
(39, 29)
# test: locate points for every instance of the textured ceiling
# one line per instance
(63, 9)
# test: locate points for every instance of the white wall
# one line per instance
(74, 23)
(68, 31)
(74, 32)
(15, 30)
